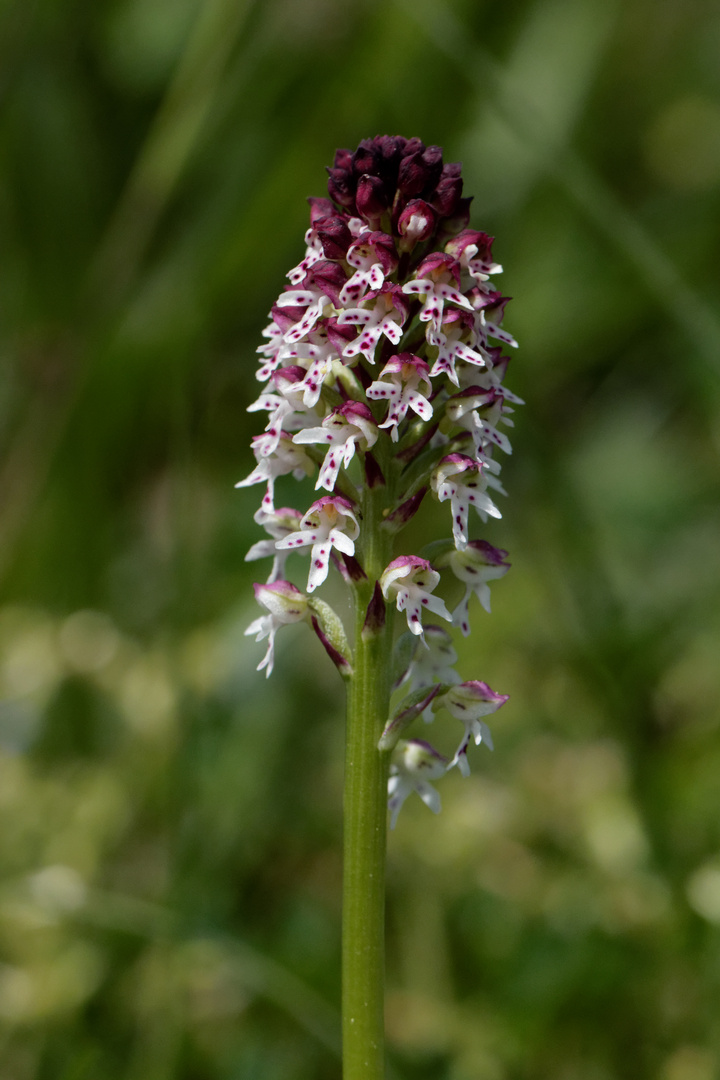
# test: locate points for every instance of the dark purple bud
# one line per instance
(291, 374)
(341, 662)
(341, 188)
(335, 237)
(375, 618)
(339, 336)
(432, 159)
(412, 176)
(458, 219)
(286, 317)
(447, 195)
(406, 510)
(329, 277)
(413, 146)
(371, 199)
(343, 159)
(320, 208)
(367, 158)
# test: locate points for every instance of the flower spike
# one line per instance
(382, 372)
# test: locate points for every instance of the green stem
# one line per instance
(365, 818)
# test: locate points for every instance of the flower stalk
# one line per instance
(384, 373)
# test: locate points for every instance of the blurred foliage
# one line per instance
(169, 903)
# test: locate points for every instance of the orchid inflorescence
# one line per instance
(384, 370)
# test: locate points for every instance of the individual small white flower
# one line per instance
(410, 580)
(286, 458)
(345, 429)
(432, 665)
(437, 280)
(399, 382)
(278, 523)
(329, 523)
(479, 411)
(287, 408)
(463, 481)
(285, 604)
(489, 310)
(475, 566)
(373, 256)
(456, 340)
(473, 250)
(414, 763)
(274, 334)
(467, 702)
(384, 311)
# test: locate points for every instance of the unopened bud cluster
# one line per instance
(384, 368)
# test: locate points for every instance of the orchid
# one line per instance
(468, 702)
(330, 522)
(383, 378)
(284, 605)
(462, 480)
(410, 581)
(415, 762)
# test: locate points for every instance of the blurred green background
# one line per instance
(169, 846)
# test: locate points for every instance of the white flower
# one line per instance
(329, 523)
(406, 373)
(286, 458)
(479, 411)
(410, 580)
(285, 604)
(313, 252)
(476, 565)
(278, 523)
(383, 312)
(374, 256)
(437, 280)
(456, 340)
(467, 702)
(345, 429)
(414, 763)
(463, 481)
(432, 665)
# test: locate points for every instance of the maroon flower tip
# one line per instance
(292, 374)
(371, 198)
(320, 208)
(335, 237)
(469, 237)
(356, 408)
(329, 277)
(489, 554)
